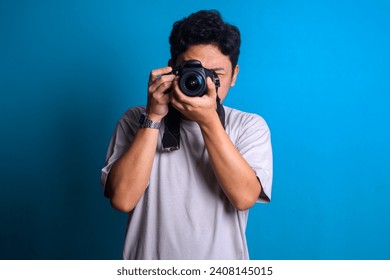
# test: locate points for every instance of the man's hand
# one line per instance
(198, 109)
(158, 99)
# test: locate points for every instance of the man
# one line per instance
(190, 200)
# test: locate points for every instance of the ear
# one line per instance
(234, 78)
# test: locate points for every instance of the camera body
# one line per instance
(193, 77)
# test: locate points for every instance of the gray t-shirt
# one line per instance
(184, 214)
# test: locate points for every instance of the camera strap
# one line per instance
(171, 137)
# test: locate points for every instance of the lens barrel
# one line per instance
(193, 82)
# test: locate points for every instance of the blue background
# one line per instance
(317, 71)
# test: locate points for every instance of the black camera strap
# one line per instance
(171, 137)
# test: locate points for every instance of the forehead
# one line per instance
(209, 55)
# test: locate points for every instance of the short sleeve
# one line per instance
(254, 144)
(121, 139)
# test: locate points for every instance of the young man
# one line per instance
(191, 200)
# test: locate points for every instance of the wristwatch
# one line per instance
(145, 122)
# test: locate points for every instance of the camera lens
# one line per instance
(192, 83)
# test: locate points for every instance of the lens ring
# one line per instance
(192, 84)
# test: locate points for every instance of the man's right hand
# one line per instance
(158, 99)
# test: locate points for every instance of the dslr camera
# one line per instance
(193, 77)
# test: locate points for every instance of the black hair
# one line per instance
(205, 27)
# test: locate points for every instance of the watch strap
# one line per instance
(146, 122)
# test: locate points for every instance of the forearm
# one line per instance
(234, 174)
(129, 176)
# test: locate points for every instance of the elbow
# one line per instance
(121, 205)
(117, 201)
(247, 199)
(244, 204)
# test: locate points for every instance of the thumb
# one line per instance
(211, 89)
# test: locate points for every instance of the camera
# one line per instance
(193, 77)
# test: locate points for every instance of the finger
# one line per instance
(164, 82)
(165, 99)
(164, 88)
(156, 73)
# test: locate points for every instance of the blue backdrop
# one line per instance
(317, 71)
